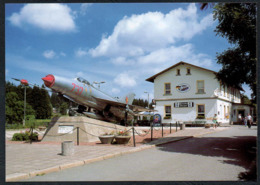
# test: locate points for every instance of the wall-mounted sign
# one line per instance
(63, 129)
(183, 87)
(183, 104)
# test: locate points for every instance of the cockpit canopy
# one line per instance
(82, 80)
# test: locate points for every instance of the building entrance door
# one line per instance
(242, 112)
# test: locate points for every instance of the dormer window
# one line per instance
(188, 71)
(178, 72)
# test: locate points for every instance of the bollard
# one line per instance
(78, 136)
(182, 126)
(31, 135)
(176, 126)
(170, 127)
(67, 148)
(151, 132)
(162, 130)
(133, 135)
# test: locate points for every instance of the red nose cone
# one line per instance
(49, 80)
(24, 82)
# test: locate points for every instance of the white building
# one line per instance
(184, 92)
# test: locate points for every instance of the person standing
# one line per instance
(240, 118)
(249, 120)
(215, 120)
(245, 121)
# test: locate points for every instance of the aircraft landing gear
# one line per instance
(72, 112)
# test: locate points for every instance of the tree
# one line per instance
(245, 100)
(63, 108)
(140, 102)
(40, 101)
(237, 23)
(15, 108)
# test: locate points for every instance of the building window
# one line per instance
(188, 71)
(200, 87)
(167, 88)
(178, 72)
(167, 111)
(201, 111)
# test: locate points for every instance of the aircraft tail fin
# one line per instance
(128, 99)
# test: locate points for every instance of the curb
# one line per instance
(21, 176)
(187, 137)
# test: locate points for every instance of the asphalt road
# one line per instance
(220, 156)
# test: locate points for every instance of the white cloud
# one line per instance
(63, 54)
(80, 74)
(80, 52)
(54, 17)
(166, 56)
(125, 80)
(140, 34)
(115, 90)
(147, 43)
(122, 61)
(49, 54)
(84, 7)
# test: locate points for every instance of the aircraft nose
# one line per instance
(49, 80)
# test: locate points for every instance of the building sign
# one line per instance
(183, 104)
(157, 118)
(63, 129)
(183, 87)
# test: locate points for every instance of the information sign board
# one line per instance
(63, 129)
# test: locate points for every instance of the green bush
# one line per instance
(18, 137)
(34, 136)
(25, 136)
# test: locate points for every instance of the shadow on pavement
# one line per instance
(238, 150)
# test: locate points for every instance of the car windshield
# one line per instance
(82, 80)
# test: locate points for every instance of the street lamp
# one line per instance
(98, 83)
(25, 84)
(148, 99)
(24, 105)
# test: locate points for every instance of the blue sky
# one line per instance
(119, 43)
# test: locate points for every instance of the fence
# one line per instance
(134, 131)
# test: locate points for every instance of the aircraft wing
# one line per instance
(26, 83)
(135, 108)
(114, 103)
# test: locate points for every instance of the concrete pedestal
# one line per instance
(182, 126)
(65, 129)
(67, 148)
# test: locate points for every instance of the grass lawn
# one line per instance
(29, 123)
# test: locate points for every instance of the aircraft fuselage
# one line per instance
(83, 93)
